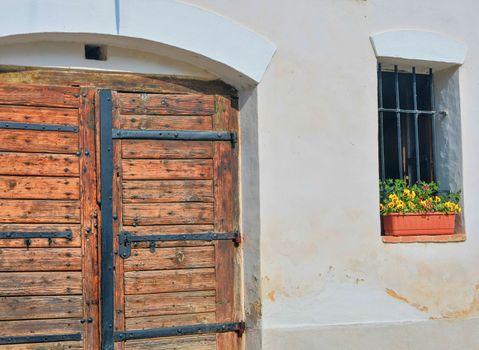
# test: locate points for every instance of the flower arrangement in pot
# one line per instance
(418, 209)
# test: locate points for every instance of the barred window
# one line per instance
(406, 127)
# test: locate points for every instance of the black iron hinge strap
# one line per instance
(29, 235)
(35, 234)
(126, 238)
(39, 127)
(107, 261)
(238, 327)
(174, 135)
(40, 338)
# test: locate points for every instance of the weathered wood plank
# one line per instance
(164, 149)
(114, 81)
(226, 219)
(18, 187)
(40, 307)
(170, 258)
(167, 213)
(98, 146)
(119, 293)
(147, 282)
(40, 259)
(159, 169)
(166, 122)
(68, 345)
(170, 303)
(38, 164)
(31, 95)
(40, 283)
(89, 220)
(41, 242)
(38, 141)
(167, 229)
(39, 115)
(190, 104)
(169, 320)
(197, 342)
(39, 327)
(39, 211)
(167, 191)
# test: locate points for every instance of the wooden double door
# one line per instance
(118, 219)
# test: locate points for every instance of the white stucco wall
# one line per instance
(325, 272)
(328, 281)
(51, 54)
(167, 27)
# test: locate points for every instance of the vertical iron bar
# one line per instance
(416, 127)
(107, 257)
(381, 123)
(432, 163)
(398, 121)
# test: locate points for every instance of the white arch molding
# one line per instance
(415, 45)
(165, 28)
(162, 27)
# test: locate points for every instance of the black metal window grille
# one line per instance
(406, 125)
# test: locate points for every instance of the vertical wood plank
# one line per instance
(119, 298)
(89, 215)
(97, 146)
(226, 212)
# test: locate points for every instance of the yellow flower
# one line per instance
(390, 205)
(400, 205)
(381, 206)
(406, 192)
(451, 207)
(413, 195)
(423, 203)
(411, 205)
(393, 197)
(429, 199)
(437, 199)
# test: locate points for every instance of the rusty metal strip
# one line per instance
(126, 238)
(40, 338)
(39, 127)
(107, 256)
(238, 327)
(174, 135)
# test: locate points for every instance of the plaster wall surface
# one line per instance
(327, 280)
(186, 32)
(325, 271)
(71, 55)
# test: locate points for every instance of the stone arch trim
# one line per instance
(419, 45)
(189, 33)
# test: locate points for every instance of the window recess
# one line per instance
(406, 124)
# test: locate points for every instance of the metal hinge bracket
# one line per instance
(238, 327)
(40, 338)
(38, 127)
(126, 238)
(27, 236)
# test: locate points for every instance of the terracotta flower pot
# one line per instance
(412, 224)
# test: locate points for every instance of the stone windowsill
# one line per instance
(458, 237)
